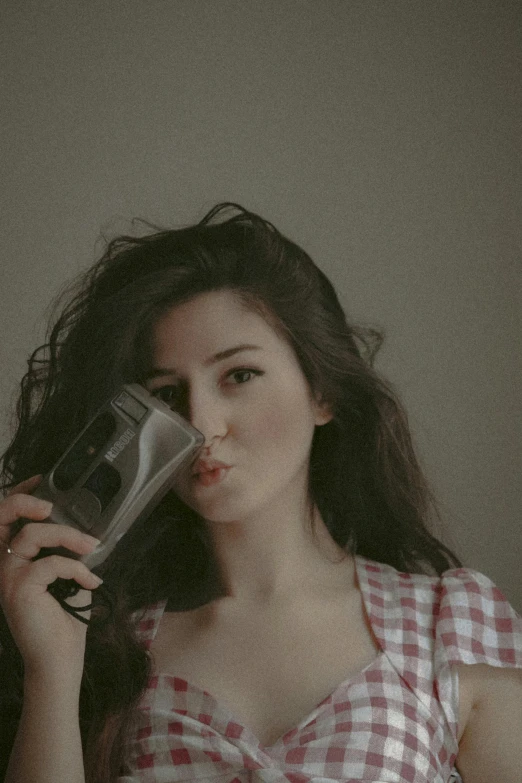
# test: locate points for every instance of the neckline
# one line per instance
(221, 707)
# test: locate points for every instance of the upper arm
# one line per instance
(491, 744)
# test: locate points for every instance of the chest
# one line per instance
(269, 668)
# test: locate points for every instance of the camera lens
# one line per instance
(103, 482)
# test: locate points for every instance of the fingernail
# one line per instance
(92, 540)
(97, 579)
(46, 506)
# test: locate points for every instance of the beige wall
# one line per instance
(382, 136)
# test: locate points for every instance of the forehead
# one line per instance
(211, 322)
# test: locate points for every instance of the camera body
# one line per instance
(119, 468)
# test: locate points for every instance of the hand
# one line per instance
(48, 638)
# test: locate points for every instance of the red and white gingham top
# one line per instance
(394, 721)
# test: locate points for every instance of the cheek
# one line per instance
(266, 422)
(280, 422)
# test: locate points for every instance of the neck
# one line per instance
(275, 557)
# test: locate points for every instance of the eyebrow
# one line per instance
(217, 357)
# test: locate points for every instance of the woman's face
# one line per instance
(230, 374)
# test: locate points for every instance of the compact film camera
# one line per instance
(118, 468)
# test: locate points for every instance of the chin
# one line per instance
(224, 512)
(221, 516)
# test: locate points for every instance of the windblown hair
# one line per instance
(365, 478)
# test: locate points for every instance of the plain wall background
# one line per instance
(384, 137)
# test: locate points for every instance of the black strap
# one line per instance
(61, 589)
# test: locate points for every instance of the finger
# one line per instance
(26, 486)
(21, 505)
(37, 535)
(82, 597)
(43, 572)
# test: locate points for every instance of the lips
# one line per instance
(203, 466)
(207, 472)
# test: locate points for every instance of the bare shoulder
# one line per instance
(490, 746)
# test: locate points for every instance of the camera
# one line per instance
(118, 468)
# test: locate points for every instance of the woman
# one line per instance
(285, 614)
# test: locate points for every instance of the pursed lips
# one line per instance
(207, 472)
(207, 466)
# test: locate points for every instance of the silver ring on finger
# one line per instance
(10, 551)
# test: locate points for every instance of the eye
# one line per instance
(168, 394)
(242, 375)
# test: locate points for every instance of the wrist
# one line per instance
(58, 681)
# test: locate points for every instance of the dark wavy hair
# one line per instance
(365, 478)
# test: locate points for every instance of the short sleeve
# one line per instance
(475, 624)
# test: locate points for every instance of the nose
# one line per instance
(208, 415)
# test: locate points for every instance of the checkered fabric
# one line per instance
(394, 722)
